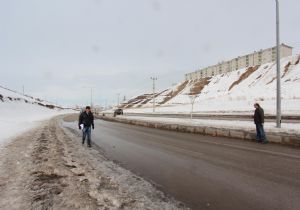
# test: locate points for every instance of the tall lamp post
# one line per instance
(154, 79)
(278, 97)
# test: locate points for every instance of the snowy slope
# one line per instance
(234, 91)
(7, 95)
(20, 113)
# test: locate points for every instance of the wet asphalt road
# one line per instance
(206, 172)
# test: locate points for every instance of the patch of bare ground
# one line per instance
(298, 60)
(286, 69)
(174, 93)
(127, 106)
(151, 97)
(139, 101)
(71, 117)
(244, 76)
(48, 168)
(199, 85)
(271, 80)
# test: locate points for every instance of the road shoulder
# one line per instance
(49, 168)
(218, 128)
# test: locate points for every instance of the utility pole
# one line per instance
(153, 79)
(23, 90)
(278, 97)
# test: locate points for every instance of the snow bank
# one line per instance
(17, 117)
(20, 113)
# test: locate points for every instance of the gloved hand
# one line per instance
(93, 127)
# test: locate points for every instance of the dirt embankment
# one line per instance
(286, 69)
(48, 168)
(199, 85)
(244, 76)
(174, 93)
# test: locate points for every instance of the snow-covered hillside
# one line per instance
(7, 95)
(20, 113)
(231, 92)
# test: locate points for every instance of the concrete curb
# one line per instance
(278, 137)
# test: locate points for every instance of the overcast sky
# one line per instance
(58, 48)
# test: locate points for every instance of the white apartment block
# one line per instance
(254, 59)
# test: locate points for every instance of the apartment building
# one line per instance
(253, 59)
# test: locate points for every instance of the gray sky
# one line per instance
(55, 48)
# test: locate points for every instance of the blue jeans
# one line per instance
(86, 132)
(260, 133)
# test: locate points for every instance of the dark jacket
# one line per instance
(87, 119)
(259, 117)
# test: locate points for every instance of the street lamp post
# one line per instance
(278, 97)
(154, 79)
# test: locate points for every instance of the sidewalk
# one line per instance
(289, 134)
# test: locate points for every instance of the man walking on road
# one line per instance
(86, 122)
(259, 120)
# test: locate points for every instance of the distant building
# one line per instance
(254, 59)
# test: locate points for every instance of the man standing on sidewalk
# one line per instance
(86, 122)
(259, 120)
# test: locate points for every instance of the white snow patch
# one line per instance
(18, 115)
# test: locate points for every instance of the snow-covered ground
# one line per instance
(20, 113)
(227, 124)
(233, 92)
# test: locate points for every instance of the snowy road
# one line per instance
(206, 172)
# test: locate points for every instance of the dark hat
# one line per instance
(257, 104)
(87, 107)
